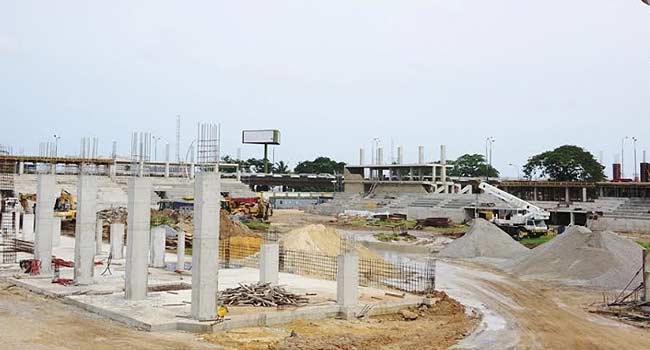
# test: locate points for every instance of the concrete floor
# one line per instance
(169, 309)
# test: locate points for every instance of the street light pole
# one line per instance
(488, 156)
(56, 145)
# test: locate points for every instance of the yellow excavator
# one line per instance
(64, 207)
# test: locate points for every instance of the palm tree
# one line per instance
(281, 167)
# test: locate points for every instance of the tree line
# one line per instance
(565, 163)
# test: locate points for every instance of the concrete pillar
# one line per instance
(28, 227)
(347, 280)
(56, 231)
(269, 263)
(380, 156)
(535, 193)
(99, 235)
(443, 170)
(167, 169)
(137, 271)
(157, 247)
(238, 175)
(572, 220)
(112, 170)
(205, 245)
(192, 170)
(420, 154)
(117, 241)
(45, 196)
(180, 251)
(602, 192)
(362, 156)
(84, 237)
(167, 160)
(16, 222)
(584, 194)
(567, 196)
(400, 154)
(646, 275)
(21, 168)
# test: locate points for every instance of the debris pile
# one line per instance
(113, 215)
(260, 295)
(582, 257)
(484, 239)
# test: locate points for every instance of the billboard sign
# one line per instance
(261, 137)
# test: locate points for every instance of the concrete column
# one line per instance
(167, 169)
(238, 175)
(21, 168)
(572, 220)
(84, 237)
(56, 231)
(347, 280)
(117, 241)
(180, 251)
(16, 222)
(112, 170)
(443, 170)
(99, 235)
(380, 156)
(646, 274)
(167, 160)
(269, 263)
(584, 194)
(362, 156)
(137, 271)
(420, 154)
(157, 247)
(205, 245)
(602, 192)
(45, 196)
(28, 227)
(400, 154)
(535, 193)
(192, 170)
(567, 196)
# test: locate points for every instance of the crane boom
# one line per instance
(515, 201)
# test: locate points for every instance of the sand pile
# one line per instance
(319, 239)
(582, 257)
(483, 239)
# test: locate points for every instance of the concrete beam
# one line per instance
(117, 241)
(269, 263)
(137, 271)
(157, 247)
(205, 245)
(45, 196)
(84, 239)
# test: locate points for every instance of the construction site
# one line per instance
(190, 230)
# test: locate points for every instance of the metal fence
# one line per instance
(408, 276)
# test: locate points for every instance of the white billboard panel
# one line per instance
(271, 137)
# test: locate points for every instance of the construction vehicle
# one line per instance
(250, 207)
(65, 205)
(521, 219)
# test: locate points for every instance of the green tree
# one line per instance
(565, 163)
(320, 165)
(472, 165)
(280, 167)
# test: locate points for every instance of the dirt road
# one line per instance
(534, 315)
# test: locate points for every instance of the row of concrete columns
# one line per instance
(146, 247)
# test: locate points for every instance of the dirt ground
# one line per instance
(32, 322)
(285, 220)
(437, 327)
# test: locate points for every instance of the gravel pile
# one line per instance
(484, 239)
(582, 257)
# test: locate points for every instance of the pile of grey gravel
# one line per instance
(484, 239)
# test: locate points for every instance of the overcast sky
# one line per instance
(331, 75)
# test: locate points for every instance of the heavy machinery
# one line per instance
(65, 205)
(520, 219)
(251, 207)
